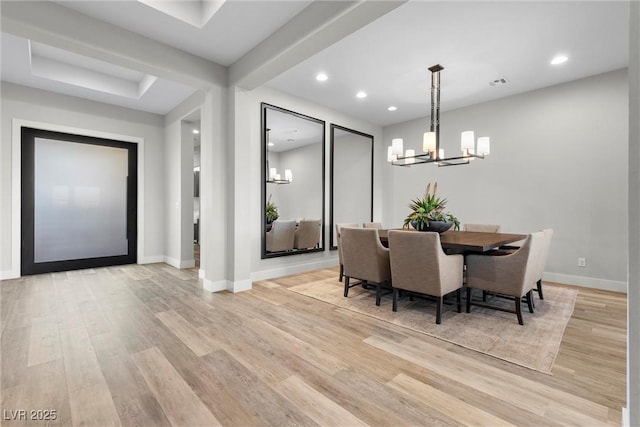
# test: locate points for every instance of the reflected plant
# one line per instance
(271, 211)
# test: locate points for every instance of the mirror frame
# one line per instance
(263, 177)
(333, 127)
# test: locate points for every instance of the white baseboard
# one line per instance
(151, 259)
(625, 417)
(9, 274)
(587, 282)
(227, 285)
(174, 262)
(201, 274)
(217, 286)
(294, 269)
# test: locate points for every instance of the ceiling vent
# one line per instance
(498, 82)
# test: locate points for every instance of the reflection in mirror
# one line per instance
(351, 178)
(292, 182)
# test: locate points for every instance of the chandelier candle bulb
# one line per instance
(467, 140)
(390, 156)
(429, 142)
(484, 145)
(272, 174)
(397, 145)
(288, 175)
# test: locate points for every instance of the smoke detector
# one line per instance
(499, 82)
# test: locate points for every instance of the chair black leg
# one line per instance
(346, 286)
(468, 299)
(341, 273)
(378, 293)
(540, 289)
(459, 299)
(395, 300)
(530, 301)
(439, 310)
(519, 310)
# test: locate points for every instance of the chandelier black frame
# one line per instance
(434, 154)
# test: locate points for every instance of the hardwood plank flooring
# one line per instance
(145, 345)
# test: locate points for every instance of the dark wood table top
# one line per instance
(471, 241)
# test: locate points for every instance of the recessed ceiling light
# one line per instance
(392, 108)
(361, 94)
(560, 59)
(322, 77)
(196, 131)
(271, 144)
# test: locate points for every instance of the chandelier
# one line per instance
(432, 153)
(273, 176)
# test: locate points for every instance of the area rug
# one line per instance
(533, 345)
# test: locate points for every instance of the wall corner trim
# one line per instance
(217, 286)
(240, 286)
(9, 274)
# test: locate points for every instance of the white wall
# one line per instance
(631, 415)
(178, 183)
(558, 159)
(24, 103)
(247, 211)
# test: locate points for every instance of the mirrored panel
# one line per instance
(351, 178)
(292, 183)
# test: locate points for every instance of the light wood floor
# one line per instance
(145, 345)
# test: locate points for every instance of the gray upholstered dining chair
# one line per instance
(281, 236)
(340, 257)
(420, 266)
(509, 275)
(365, 259)
(542, 260)
(377, 225)
(307, 235)
(485, 228)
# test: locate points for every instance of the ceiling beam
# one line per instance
(317, 27)
(57, 26)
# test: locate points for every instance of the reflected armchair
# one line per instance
(420, 266)
(307, 235)
(281, 236)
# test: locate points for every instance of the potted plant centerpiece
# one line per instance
(427, 213)
(271, 211)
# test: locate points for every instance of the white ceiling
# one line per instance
(475, 41)
(237, 26)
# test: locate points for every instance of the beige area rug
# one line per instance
(533, 345)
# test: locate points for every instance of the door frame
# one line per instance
(16, 184)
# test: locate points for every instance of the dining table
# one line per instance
(465, 241)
